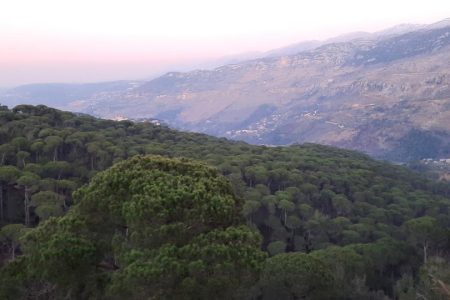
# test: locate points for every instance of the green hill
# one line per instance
(370, 226)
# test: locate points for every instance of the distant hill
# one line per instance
(386, 93)
(59, 94)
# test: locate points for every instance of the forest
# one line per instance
(101, 209)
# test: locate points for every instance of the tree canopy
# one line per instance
(314, 200)
(149, 227)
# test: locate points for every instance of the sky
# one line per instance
(100, 40)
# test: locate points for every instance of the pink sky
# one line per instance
(98, 40)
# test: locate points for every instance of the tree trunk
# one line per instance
(425, 252)
(307, 240)
(27, 208)
(291, 244)
(55, 153)
(1, 202)
(13, 251)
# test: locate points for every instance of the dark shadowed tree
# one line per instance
(152, 228)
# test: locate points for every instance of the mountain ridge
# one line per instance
(363, 94)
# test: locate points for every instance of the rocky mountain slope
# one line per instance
(387, 95)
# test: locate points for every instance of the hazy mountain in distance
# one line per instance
(387, 94)
(400, 29)
(59, 94)
(389, 32)
(235, 58)
(440, 24)
(294, 48)
(310, 45)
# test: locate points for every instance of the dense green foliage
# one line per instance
(364, 225)
(146, 228)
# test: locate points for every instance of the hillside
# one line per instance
(386, 94)
(312, 200)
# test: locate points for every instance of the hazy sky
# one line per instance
(95, 40)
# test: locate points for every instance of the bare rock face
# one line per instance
(386, 94)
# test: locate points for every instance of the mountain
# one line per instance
(440, 24)
(358, 35)
(59, 94)
(387, 94)
(294, 48)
